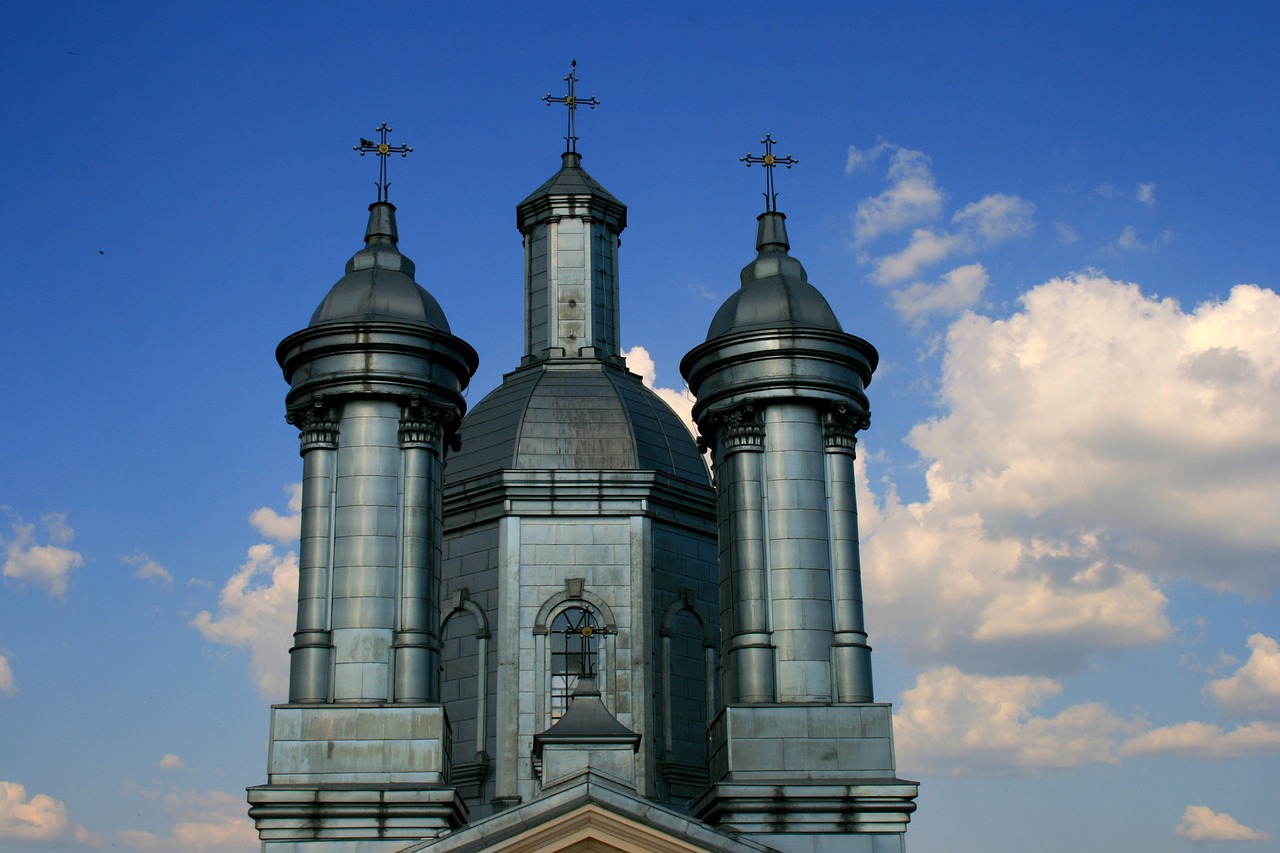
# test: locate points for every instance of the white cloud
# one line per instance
(912, 197)
(859, 157)
(986, 222)
(1204, 740)
(925, 249)
(284, 529)
(957, 290)
(996, 218)
(1096, 409)
(149, 569)
(1089, 444)
(1254, 689)
(1201, 823)
(1147, 194)
(210, 822)
(42, 565)
(681, 402)
(954, 723)
(171, 761)
(40, 818)
(7, 684)
(257, 609)
(1065, 233)
(1128, 241)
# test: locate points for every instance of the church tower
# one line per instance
(801, 756)
(579, 531)
(359, 755)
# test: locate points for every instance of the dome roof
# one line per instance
(775, 292)
(576, 414)
(379, 283)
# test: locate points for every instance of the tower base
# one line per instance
(788, 775)
(373, 776)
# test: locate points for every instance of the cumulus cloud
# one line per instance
(171, 761)
(149, 569)
(1254, 689)
(1147, 194)
(7, 685)
(951, 722)
(1095, 441)
(1204, 740)
(256, 612)
(284, 529)
(1201, 823)
(681, 402)
(45, 564)
(1066, 235)
(956, 291)
(912, 196)
(209, 822)
(40, 818)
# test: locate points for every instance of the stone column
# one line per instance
(310, 657)
(744, 598)
(850, 654)
(415, 644)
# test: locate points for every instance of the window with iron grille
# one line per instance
(575, 652)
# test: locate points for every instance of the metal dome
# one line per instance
(379, 283)
(775, 292)
(574, 414)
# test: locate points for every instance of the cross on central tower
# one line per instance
(383, 150)
(769, 160)
(571, 100)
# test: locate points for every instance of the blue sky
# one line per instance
(1056, 222)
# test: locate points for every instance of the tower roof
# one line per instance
(571, 183)
(775, 291)
(574, 415)
(379, 284)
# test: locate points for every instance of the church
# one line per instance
(545, 624)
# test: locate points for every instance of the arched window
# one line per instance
(575, 652)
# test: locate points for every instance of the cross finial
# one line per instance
(571, 100)
(769, 160)
(383, 150)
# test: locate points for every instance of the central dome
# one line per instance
(574, 415)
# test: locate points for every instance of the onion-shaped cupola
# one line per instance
(379, 283)
(776, 336)
(378, 331)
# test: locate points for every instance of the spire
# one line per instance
(381, 239)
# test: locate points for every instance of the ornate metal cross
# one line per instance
(571, 100)
(383, 150)
(769, 160)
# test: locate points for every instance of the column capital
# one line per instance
(317, 425)
(740, 428)
(423, 425)
(840, 425)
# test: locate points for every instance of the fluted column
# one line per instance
(415, 643)
(309, 659)
(744, 585)
(850, 654)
